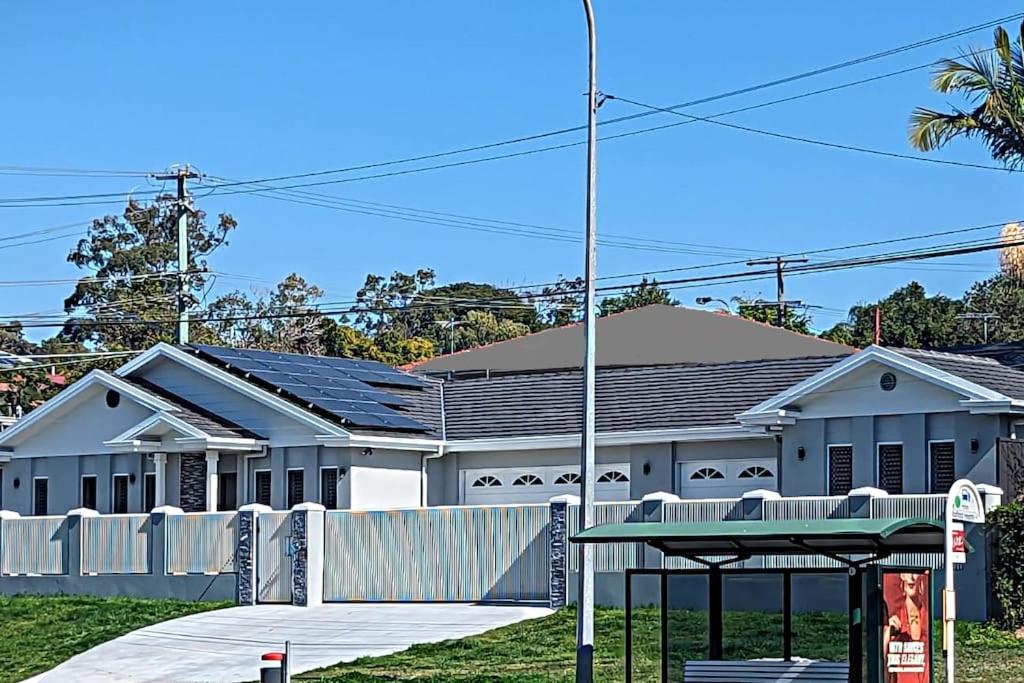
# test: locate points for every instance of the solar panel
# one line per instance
(343, 387)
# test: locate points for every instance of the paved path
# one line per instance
(225, 645)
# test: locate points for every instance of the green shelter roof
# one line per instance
(782, 537)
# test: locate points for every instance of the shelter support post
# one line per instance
(856, 645)
(715, 625)
(629, 627)
(664, 628)
(787, 616)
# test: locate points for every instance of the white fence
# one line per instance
(34, 545)
(116, 544)
(438, 554)
(202, 543)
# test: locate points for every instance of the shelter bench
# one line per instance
(765, 672)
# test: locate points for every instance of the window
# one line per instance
(295, 487)
(707, 473)
(119, 495)
(756, 472)
(840, 470)
(148, 491)
(486, 481)
(89, 491)
(528, 480)
(40, 496)
(329, 487)
(227, 491)
(613, 476)
(943, 466)
(568, 478)
(263, 487)
(890, 467)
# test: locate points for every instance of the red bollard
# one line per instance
(272, 667)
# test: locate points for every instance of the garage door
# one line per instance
(726, 478)
(504, 485)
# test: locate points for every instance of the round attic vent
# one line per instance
(113, 399)
(887, 381)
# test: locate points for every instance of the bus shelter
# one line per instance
(857, 545)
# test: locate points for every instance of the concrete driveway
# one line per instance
(225, 645)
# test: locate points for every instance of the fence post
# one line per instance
(558, 554)
(308, 554)
(245, 563)
(860, 501)
(76, 532)
(5, 514)
(752, 502)
(158, 537)
(653, 510)
(991, 495)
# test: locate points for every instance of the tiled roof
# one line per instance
(201, 419)
(628, 398)
(986, 372)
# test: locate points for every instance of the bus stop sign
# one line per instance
(967, 505)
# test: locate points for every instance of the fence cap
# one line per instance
(663, 496)
(566, 498)
(309, 507)
(763, 494)
(869, 491)
(167, 510)
(9, 514)
(83, 512)
(255, 507)
(272, 657)
(990, 490)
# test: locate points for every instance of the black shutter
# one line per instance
(890, 468)
(40, 497)
(227, 491)
(295, 486)
(263, 487)
(89, 492)
(840, 470)
(329, 488)
(943, 466)
(120, 501)
(149, 491)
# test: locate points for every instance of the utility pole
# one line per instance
(184, 207)
(585, 596)
(780, 263)
(983, 317)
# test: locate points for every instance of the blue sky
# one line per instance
(249, 90)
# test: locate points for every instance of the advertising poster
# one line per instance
(906, 627)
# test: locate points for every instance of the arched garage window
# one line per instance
(756, 472)
(612, 476)
(707, 473)
(486, 481)
(568, 478)
(528, 480)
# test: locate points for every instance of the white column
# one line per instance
(212, 458)
(160, 461)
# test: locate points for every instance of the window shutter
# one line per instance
(890, 468)
(840, 470)
(295, 492)
(329, 488)
(943, 467)
(263, 488)
(40, 497)
(120, 494)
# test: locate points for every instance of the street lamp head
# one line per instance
(703, 300)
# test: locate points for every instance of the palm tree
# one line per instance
(992, 81)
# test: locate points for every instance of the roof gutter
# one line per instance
(625, 438)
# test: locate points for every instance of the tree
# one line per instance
(637, 296)
(794, 321)
(910, 318)
(993, 83)
(561, 303)
(134, 258)
(1002, 295)
(381, 302)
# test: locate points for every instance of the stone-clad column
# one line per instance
(559, 552)
(308, 554)
(245, 562)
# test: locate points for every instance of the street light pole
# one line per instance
(585, 598)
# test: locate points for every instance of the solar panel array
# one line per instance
(346, 388)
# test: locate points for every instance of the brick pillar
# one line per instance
(245, 560)
(308, 554)
(558, 553)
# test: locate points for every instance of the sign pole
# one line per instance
(964, 504)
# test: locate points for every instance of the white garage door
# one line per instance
(726, 478)
(502, 485)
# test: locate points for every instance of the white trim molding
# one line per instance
(521, 443)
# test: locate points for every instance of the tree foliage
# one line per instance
(1008, 562)
(645, 293)
(794, 320)
(910, 318)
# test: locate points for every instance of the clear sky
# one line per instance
(258, 89)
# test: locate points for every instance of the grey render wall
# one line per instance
(914, 431)
(308, 458)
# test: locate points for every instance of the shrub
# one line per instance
(1008, 562)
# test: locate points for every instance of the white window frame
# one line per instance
(878, 459)
(113, 490)
(928, 461)
(255, 474)
(320, 483)
(828, 463)
(286, 477)
(81, 479)
(34, 480)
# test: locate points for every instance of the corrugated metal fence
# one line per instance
(273, 562)
(116, 544)
(609, 557)
(34, 545)
(929, 506)
(202, 543)
(438, 554)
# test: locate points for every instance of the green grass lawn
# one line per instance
(38, 633)
(542, 650)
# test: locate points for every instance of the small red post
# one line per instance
(878, 325)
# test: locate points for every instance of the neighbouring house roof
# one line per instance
(1010, 354)
(628, 398)
(652, 335)
(987, 372)
(203, 420)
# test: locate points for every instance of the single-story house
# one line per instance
(209, 428)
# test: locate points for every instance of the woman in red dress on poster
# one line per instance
(905, 640)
